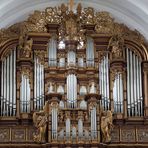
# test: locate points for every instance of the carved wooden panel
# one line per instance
(142, 134)
(128, 134)
(4, 134)
(18, 135)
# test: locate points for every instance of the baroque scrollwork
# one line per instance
(104, 22)
(88, 16)
(52, 15)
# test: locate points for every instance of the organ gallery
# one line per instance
(73, 78)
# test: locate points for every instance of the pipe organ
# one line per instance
(68, 79)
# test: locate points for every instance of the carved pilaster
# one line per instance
(145, 85)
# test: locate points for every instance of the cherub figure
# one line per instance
(106, 126)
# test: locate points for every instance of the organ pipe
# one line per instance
(67, 127)
(80, 128)
(54, 123)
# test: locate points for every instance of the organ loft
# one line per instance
(73, 78)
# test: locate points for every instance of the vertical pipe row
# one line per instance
(128, 84)
(14, 80)
(135, 96)
(42, 80)
(107, 76)
(35, 82)
(90, 52)
(11, 87)
(71, 90)
(8, 86)
(7, 83)
(141, 98)
(2, 88)
(134, 85)
(38, 84)
(25, 94)
(121, 93)
(138, 84)
(52, 52)
(104, 81)
(4, 103)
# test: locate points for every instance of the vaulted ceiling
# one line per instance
(133, 13)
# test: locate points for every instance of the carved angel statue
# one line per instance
(106, 126)
(28, 48)
(40, 121)
(21, 42)
(116, 43)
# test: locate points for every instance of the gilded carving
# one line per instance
(88, 16)
(25, 47)
(52, 15)
(104, 23)
(116, 43)
(106, 126)
(35, 23)
(41, 55)
(28, 48)
(40, 122)
(26, 71)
